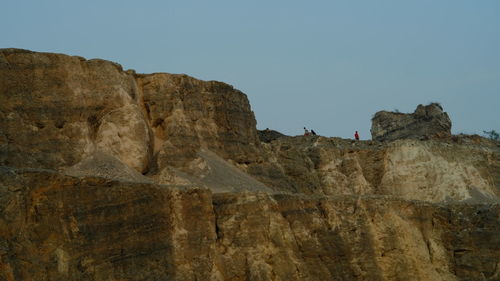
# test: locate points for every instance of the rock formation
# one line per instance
(57, 110)
(57, 227)
(60, 110)
(426, 122)
(433, 170)
(268, 135)
(107, 174)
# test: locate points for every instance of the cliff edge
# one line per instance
(107, 174)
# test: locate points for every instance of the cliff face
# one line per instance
(59, 110)
(107, 174)
(56, 110)
(57, 227)
(185, 111)
(455, 170)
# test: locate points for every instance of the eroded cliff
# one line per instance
(59, 111)
(57, 227)
(456, 169)
(107, 174)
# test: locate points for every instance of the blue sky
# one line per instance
(326, 65)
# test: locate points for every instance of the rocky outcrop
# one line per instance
(59, 110)
(107, 174)
(426, 122)
(434, 170)
(186, 114)
(268, 135)
(58, 227)
(68, 113)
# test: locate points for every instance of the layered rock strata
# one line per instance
(107, 174)
(458, 169)
(68, 113)
(58, 227)
(59, 110)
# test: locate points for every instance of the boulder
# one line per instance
(426, 122)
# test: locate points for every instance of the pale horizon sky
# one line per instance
(326, 65)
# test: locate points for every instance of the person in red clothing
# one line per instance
(356, 136)
(306, 132)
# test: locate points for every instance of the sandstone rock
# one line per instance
(58, 110)
(426, 122)
(125, 134)
(54, 106)
(269, 135)
(57, 227)
(190, 114)
(438, 172)
(431, 170)
(64, 228)
(220, 206)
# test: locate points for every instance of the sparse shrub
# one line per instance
(492, 135)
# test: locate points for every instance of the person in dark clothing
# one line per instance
(356, 135)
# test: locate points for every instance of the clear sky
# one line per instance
(327, 65)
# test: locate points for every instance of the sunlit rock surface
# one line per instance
(108, 174)
(456, 169)
(57, 227)
(426, 122)
(56, 110)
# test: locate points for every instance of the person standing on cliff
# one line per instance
(306, 132)
(356, 135)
